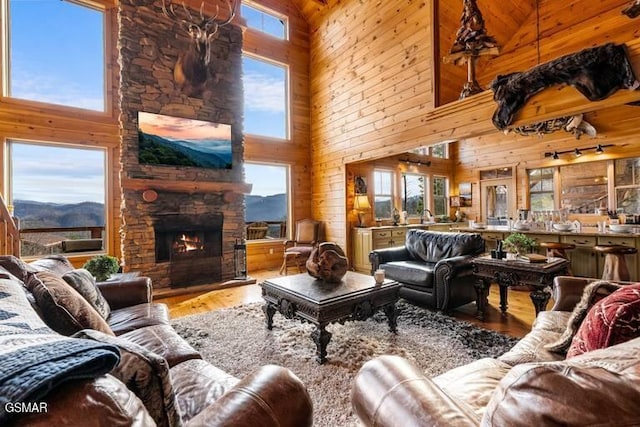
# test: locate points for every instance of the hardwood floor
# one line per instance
(517, 322)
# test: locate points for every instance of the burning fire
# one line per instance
(187, 243)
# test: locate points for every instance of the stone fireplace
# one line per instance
(180, 223)
(192, 245)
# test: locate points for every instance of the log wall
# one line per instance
(373, 93)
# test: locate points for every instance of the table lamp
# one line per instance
(361, 204)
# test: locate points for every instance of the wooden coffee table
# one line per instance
(356, 297)
(513, 273)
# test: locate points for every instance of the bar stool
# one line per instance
(615, 266)
(558, 250)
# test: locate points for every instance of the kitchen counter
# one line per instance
(586, 231)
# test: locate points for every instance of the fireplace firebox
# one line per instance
(192, 245)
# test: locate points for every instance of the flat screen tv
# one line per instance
(175, 141)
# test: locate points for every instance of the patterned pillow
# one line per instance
(591, 294)
(613, 320)
(63, 308)
(83, 282)
(146, 374)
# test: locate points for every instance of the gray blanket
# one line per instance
(33, 359)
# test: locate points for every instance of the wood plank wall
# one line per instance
(372, 94)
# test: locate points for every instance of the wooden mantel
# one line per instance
(186, 186)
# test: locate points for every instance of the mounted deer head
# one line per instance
(190, 71)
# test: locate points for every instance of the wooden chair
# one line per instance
(257, 230)
(300, 247)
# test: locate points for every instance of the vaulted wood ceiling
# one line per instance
(516, 27)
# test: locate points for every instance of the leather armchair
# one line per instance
(435, 268)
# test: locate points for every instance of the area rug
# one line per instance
(237, 341)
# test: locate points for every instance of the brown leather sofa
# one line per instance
(527, 386)
(434, 267)
(202, 394)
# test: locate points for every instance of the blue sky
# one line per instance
(60, 61)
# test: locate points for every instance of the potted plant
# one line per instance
(102, 266)
(518, 243)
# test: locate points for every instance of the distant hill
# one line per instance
(266, 208)
(155, 150)
(43, 215)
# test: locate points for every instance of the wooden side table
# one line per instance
(513, 273)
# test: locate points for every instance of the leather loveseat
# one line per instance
(152, 376)
(530, 385)
(434, 267)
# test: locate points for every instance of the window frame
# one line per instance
(553, 192)
(444, 197)
(289, 220)
(287, 98)
(108, 85)
(7, 186)
(377, 194)
(270, 12)
(425, 186)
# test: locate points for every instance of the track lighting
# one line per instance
(577, 152)
(416, 162)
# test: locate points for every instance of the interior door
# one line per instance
(497, 201)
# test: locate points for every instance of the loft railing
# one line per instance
(9, 234)
(51, 240)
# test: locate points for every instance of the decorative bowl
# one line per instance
(621, 228)
(479, 225)
(521, 227)
(562, 226)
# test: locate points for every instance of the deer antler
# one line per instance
(203, 26)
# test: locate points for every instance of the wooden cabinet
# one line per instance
(362, 245)
(364, 240)
(583, 257)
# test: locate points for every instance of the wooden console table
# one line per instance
(512, 273)
(356, 297)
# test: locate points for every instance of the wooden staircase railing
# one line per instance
(9, 233)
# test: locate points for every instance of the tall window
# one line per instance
(440, 205)
(383, 193)
(267, 205)
(413, 194)
(627, 185)
(58, 193)
(266, 103)
(440, 151)
(43, 40)
(541, 195)
(264, 20)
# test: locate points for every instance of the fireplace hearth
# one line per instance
(192, 245)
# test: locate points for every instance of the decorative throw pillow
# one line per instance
(591, 294)
(144, 373)
(612, 320)
(83, 282)
(16, 266)
(63, 308)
